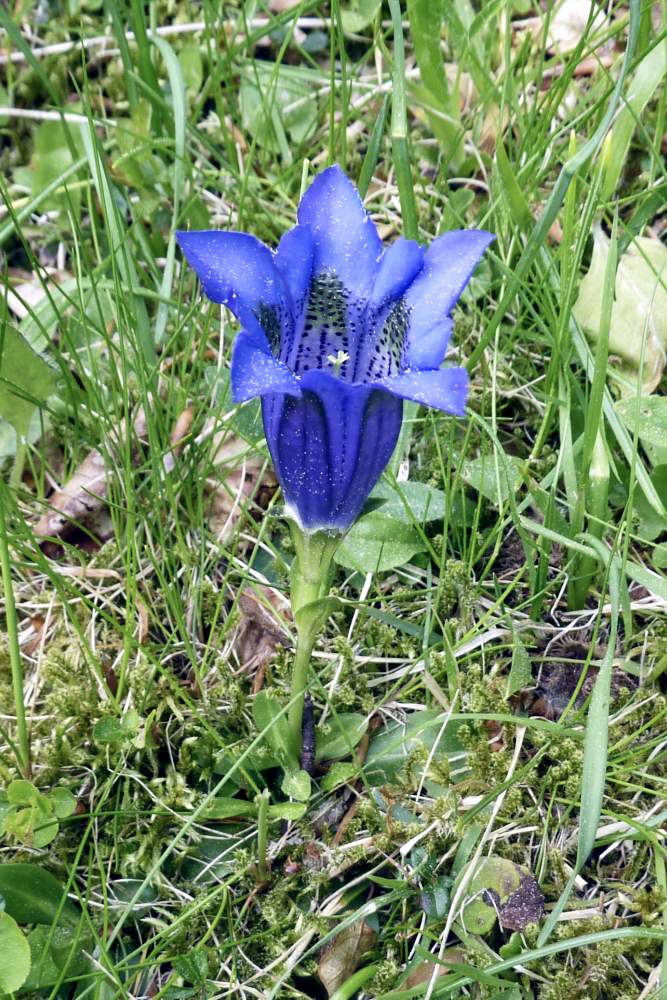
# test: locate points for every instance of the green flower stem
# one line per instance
(23, 740)
(310, 583)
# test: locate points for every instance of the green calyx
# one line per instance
(312, 567)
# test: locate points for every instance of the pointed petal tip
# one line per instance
(443, 389)
(256, 372)
(345, 238)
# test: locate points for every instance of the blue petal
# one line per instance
(294, 260)
(380, 350)
(445, 389)
(345, 238)
(330, 447)
(399, 266)
(239, 271)
(429, 350)
(255, 372)
(448, 266)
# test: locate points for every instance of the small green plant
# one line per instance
(30, 817)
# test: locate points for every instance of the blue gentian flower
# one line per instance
(336, 332)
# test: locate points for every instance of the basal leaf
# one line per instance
(278, 105)
(410, 502)
(493, 479)
(266, 711)
(391, 746)
(378, 542)
(521, 673)
(56, 954)
(296, 784)
(340, 735)
(34, 896)
(646, 415)
(638, 330)
(26, 380)
(358, 14)
(14, 955)
(51, 158)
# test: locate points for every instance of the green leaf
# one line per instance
(651, 524)
(34, 896)
(648, 76)
(296, 784)
(14, 955)
(288, 810)
(266, 711)
(426, 22)
(312, 616)
(109, 729)
(26, 380)
(56, 954)
(638, 329)
(647, 415)
(516, 199)
(493, 479)
(132, 891)
(392, 745)
(52, 156)
(22, 793)
(4, 102)
(44, 827)
(193, 966)
(521, 672)
(339, 774)
(279, 105)
(226, 807)
(378, 542)
(192, 66)
(410, 502)
(358, 14)
(342, 734)
(659, 557)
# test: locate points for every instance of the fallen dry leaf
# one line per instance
(83, 497)
(179, 433)
(259, 632)
(24, 296)
(569, 22)
(243, 481)
(423, 972)
(344, 955)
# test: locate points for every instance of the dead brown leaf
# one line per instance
(344, 955)
(180, 431)
(82, 499)
(569, 22)
(32, 643)
(423, 972)
(259, 632)
(25, 294)
(244, 482)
